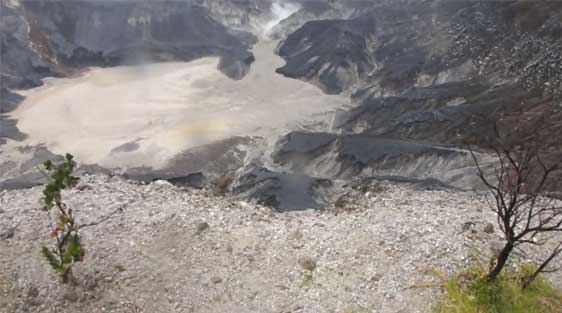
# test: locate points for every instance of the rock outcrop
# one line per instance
(425, 74)
(397, 45)
(54, 38)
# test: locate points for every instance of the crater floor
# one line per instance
(130, 116)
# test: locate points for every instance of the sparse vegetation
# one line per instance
(68, 248)
(63, 228)
(472, 292)
(307, 280)
(519, 186)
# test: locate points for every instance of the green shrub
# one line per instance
(63, 229)
(471, 292)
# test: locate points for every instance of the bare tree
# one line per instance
(519, 185)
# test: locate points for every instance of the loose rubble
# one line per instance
(170, 249)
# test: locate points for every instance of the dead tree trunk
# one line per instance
(501, 261)
(526, 166)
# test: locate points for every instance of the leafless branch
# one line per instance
(523, 211)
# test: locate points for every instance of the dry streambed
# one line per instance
(181, 250)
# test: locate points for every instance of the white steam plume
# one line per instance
(280, 10)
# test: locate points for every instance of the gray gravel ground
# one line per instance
(158, 255)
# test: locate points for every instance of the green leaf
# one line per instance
(52, 259)
(68, 250)
(74, 251)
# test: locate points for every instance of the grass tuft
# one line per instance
(470, 292)
(307, 280)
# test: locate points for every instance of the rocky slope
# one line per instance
(53, 38)
(170, 249)
(392, 47)
(428, 73)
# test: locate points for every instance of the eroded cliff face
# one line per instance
(396, 46)
(22, 65)
(56, 38)
(247, 15)
(431, 72)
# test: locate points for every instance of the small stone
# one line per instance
(341, 202)
(24, 308)
(71, 295)
(253, 295)
(296, 235)
(201, 227)
(216, 280)
(307, 263)
(8, 233)
(375, 278)
(161, 182)
(32, 292)
(91, 283)
(467, 226)
(83, 187)
(489, 228)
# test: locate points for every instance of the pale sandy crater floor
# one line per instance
(143, 115)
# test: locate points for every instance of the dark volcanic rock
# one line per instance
(349, 156)
(283, 191)
(421, 184)
(436, 113)
(25, 173)
(355, 148)
(21, 66)
(195, 180)
(8, 100)
(423, 70)
(126, 147)
(395, 46)
(8, 129)
(238, 14)
(235, 68)
(317, 10)
(53, 38)
(215, 159)
(333, 51)
(27, 180)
